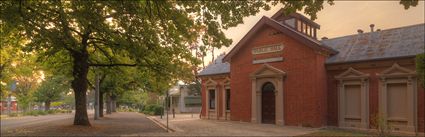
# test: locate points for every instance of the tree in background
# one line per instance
(27, 74)
(149, 35)
(52, 89)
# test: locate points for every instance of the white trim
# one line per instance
(397, 74)
(347, 78)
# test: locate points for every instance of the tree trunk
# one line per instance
(114, 105)
(46, 105)
(80, 85)
(100, 104)
(108, 104)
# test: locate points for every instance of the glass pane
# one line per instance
(227, 99)
(212, 99)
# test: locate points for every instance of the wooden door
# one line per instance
(268, 104)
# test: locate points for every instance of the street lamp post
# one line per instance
(166, 105)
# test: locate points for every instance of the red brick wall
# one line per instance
(220, 94)
(13, 106)
(304, 86)
(310, 90)
(373, 91)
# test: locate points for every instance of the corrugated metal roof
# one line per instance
(217, 67)
(391, 43)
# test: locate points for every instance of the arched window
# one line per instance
(268, 87)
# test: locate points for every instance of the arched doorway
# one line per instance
(268, 104)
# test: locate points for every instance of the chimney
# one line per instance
(371, 27)
(360, 31)
(324, 38)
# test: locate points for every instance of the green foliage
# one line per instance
(13, 114)
(131, 98)
(127, 110)
(153, 109)
(409, 3)
(195, 88)
(380, 123)
(40, 112)
(151, 36)
(420, 67)
(27, 74)
(35, 113)
(58, 103)
(52, 89)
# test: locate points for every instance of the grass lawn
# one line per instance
(338, 132)
(3, 116)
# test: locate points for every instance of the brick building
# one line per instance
(280, 73)
(13, 105)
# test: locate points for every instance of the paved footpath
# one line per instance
(186, 125)
(116, 124)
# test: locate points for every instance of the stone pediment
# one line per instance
(351, 73)
(210, 82)
(226, 81)
(396, 70)
(267, 71)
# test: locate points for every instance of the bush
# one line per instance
(153, 109)
(42, 113)
(51, 111)
(38, 112)
(14, 114)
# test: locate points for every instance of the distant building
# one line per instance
(280, 73)
(13, 106)
(182, 100)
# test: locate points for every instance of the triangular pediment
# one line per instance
(267, 70)
(265, 21)
(210, 82)
(396, 69)
(226, 81)
(351, 73)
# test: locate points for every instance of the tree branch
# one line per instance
(113, 65)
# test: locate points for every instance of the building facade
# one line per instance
(13, 105)
(279, 73)
(182, 100)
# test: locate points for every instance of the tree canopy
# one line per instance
(52, 89)
(151, 36)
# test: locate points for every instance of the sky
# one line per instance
(343, 18)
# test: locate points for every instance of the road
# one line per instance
(115, 124)
(25, 121)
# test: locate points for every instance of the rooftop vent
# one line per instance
(360, 31)
(371, 27)
(298, 22)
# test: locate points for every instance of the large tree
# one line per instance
(149, 35)
(52, 89)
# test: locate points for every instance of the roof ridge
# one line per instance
(390, 29)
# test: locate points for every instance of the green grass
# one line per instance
(338, 132)
(3, 116)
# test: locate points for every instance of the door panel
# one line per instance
(397, 102)
(268, 109)
(352, 102)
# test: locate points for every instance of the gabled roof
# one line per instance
(391, 43)
(216, 67)
(310, 42)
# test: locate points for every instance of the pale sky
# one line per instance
(343, 18)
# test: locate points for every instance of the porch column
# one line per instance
(279, 102)
(253, 102)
